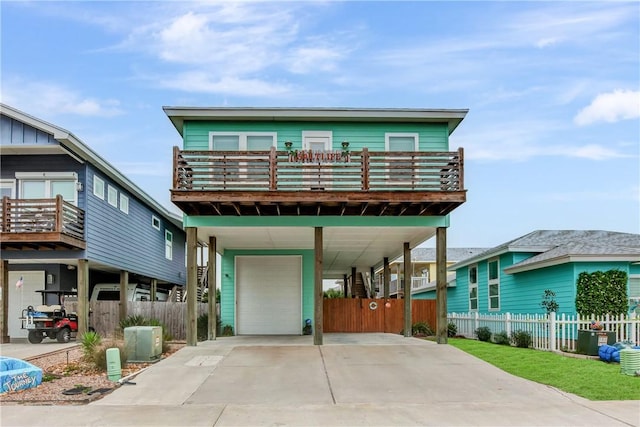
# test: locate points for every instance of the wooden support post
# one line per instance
(154, 290)
(124, 285)
(387, 277)
(4, 318)
(345, 286)
(192, 286)
(353, 282)
(211, 280)
(82, 278)
(372, 276)
(317, 294)
(407, 290)
(441, 285)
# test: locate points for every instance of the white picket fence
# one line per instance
(549, 332)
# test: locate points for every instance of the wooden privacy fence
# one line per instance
(374, 315)
(553, 332)
(105, 320)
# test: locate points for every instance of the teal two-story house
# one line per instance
(513, 276)
(291, 196)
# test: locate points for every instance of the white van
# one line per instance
(135, 292)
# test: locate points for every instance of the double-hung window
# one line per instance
(168, 244)
(473, 288)
(234, 169)
(7, 188)
(494, 284)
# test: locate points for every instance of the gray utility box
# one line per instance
(143, 343)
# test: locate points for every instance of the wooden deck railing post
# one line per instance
(273, 169)
(59, 214)
(176, 156)
(365, 169)
(461, 168)
(5, 214)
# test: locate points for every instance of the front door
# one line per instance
(318, 176)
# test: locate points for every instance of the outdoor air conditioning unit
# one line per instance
(143, 343)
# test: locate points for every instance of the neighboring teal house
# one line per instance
(512, 277)
(291, 196)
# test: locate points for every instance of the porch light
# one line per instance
(288, 145)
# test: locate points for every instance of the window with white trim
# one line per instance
(155, 222)
(493, 272)
(402, 173)
(634, 294)
(242, 141)
(473, 288)
(124, 203)
(168, 244)
(7, 188)
(98, 187)
(48, 185)
(112, 196)
(398, 141)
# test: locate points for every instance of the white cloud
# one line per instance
(49, 99)
(202, 82)
(610, 107)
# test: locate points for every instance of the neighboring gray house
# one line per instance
(67, 212)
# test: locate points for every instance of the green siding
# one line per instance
(523, 292)
(227, 290)
(432, 136)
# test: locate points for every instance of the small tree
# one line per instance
(549, 301)
(600, 293)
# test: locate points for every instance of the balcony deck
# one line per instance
(41, 224)
(296, 183)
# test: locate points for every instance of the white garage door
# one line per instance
(269, 295)
(21, 297)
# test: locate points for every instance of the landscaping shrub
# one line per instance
(89, 341)
(203, 327)
(601, 293)
(521, 339)
(452, 329)
(421, 329)
(100, 355)
(227, 331)
(502, 338)
(483, 333)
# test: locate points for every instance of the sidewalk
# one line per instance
(352, 380)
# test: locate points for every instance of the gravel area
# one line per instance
(68, 379)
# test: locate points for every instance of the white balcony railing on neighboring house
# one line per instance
(397, 286)
(418, 283)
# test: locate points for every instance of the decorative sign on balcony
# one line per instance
(310, 156)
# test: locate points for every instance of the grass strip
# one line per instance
(588, 378)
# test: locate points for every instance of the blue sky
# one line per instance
(552, 137)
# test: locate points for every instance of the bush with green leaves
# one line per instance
(89, 341)
(521, 338)
(421, 329)
(502, 338)
(332, 293)
(100, 354)
(602, 292)
(452, 329)
(227, 331)
(203, 326)
(483, 333)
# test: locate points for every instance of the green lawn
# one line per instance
(589, 378)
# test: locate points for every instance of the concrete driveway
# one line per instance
(352, 380)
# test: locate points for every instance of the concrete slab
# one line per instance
(25, 350)
(352, 380)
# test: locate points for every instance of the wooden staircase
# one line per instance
(359, 290)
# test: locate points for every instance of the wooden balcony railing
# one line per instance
(281, 171)
(51, 221)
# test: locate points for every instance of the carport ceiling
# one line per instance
(343, 248)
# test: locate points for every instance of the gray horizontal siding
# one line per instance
(128, 241)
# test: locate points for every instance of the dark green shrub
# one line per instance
(227, 331)
(521, 339)
(421, 329)
(483, 333)
(203, 327)
(332, 293)
(601, 293)
(133, 320)
(502, 338)
(452, 329)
